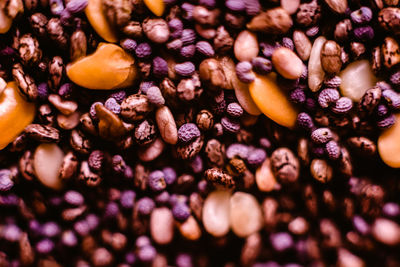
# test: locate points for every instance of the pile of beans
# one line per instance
(199, 133)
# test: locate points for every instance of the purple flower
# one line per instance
(9, 200)
(187, 11)
(253, 7)
(118, 164)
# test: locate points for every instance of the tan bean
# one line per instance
(302, 44)
(246, 46)
(287, 63)
(166, 125)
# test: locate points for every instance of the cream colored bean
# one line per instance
(302, 44)
(316, 74)
(166, 125)
(246, 46)
(47, 161)
(265, 179)
(287, 63)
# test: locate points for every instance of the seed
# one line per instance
(302, 44)
(386, 231)
(265, 179)
(273, 21)
(290, 6)
(166, 125)
(246, 46)
(390, 52)
(162, 225)
(321, 170)
(389, 145)
(96, 71)
(287, 63)
(155, 6)
(15, 114)
(245, 214)
(330, 57)
(316, 74)
(270, 99)
(215, 216)
(339, 6)
(190, 229)
(357, 78)
(47, 162)
(99, 22)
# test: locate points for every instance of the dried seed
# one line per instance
(316, 74)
